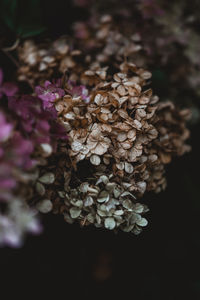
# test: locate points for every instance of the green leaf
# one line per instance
(23, 17)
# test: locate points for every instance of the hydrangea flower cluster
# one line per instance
(89, 144)
(123, 137)
(118, 130)
(28, 133)
(166, 31)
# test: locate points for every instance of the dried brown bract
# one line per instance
(40, 62)
(117, 129)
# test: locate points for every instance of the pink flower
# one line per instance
(49, 93)
(78, 91)
(40, 124)
(7, 88)
(7, 181)
(21, 151)
(5, 128)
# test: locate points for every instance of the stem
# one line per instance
(11, 57)
(13, 47)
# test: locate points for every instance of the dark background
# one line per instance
(161, 263)
(67, 261)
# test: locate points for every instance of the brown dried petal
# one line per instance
(95, 160)
(128, 168)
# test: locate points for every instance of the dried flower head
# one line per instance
(118, 130)
(28, 135)
(124, 136)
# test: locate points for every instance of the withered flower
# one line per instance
(117, 128)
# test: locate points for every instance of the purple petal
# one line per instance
(39, 90)
(9, 89)
(47, 84)
(43, 125)
(27, 126)
(5, 132)
(60, 92)
(5, 128)
(12, 239)
(52, 112)
(35, 227)
(21, 145)
(47, 97)
(7, 183)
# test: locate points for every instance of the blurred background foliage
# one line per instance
(163, 262)
(23, 18)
